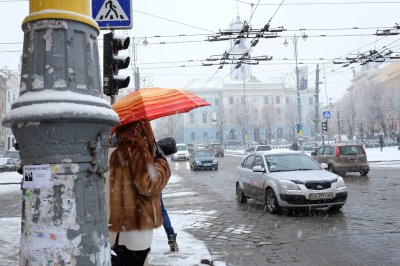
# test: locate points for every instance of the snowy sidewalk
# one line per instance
(191, 252)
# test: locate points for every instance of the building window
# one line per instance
(204, 117)
(266, 99)
(255, 114)
(230, 100)
(287, 100)
(214, 117)
(243, 99)
(216, 102)
(278, 113)
(191, 118)
(278, 99)
(205, 136)
(193, 136)
(310, 101)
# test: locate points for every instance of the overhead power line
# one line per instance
(324, 3)
(171, 20)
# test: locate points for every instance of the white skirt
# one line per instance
(134, 240)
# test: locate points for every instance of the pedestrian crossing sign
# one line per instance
(112, 14)
(326, 114)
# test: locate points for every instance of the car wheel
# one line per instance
(194, 168)
(363, 173)
(271, 202)
(241, 198)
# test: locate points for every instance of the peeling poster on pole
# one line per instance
(37, 176)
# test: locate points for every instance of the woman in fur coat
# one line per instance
(138, 174)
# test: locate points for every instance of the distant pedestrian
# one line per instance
(381, 141)
(398, 141)
(295, 146)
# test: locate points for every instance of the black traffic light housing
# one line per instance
(324, 125)
(112, 63)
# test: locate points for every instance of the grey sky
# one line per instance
(160, 62)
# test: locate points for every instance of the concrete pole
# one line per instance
(299, 109)
(316, 115)
(338, 124)
(62, 126)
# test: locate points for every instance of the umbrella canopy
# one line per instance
(153, 103)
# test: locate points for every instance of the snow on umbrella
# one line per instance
(153, 103)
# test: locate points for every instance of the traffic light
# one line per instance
(112, 63)
(324, 125)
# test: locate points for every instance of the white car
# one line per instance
(182, 152)
(288, 179)
(258, 148)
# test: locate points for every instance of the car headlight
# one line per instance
(288, 185)
(197, 162)
(215, 161)
(340, 182)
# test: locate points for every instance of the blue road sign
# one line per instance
(326, 114)
(112, 14)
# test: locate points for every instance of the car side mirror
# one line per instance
(258, 168)
(324, 165)
(313, 153)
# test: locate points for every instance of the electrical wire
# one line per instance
(324, 3)
(252, 13)
(171, 20)
(276, 11)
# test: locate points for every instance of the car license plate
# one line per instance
(207, 164)
(318, 196)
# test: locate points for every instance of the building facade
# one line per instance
(243, 109)
(9, 92)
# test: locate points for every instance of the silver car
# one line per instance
(288, 179)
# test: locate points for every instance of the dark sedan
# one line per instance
(203, 159)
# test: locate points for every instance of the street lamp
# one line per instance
(294, 40)
(136, 69)
(361, 123)
(245, 116)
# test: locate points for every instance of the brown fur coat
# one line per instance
(136, 179)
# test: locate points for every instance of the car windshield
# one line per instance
(181, 148)
(216, 145)
(290, 162)
(204, 153)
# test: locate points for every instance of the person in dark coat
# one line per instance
(295, 146)
(381, 142)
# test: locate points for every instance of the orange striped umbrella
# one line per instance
(153, 103)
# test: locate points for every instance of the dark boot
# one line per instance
(172, 242)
